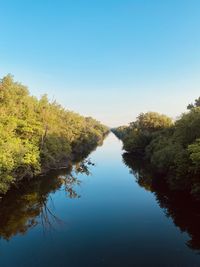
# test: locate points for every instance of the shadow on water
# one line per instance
(181, 207)
(25, 207)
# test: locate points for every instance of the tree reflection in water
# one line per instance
(27, 206)
(180, 206)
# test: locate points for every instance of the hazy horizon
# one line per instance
(109, 60)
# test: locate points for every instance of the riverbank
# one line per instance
(37, 135)
(97, 214)
(170, 149)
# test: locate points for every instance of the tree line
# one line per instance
(37, 134)
(170, 149)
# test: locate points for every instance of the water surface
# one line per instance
(97, 215)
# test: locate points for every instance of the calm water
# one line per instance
(96, 216)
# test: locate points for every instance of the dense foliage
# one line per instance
(37, 135)
(172, 149)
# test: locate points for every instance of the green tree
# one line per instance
(37, 135)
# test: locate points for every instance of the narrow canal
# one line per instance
(97, 215)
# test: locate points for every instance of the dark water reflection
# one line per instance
(180, 206)
(26, 206)
(99, 212)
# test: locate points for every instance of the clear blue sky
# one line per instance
(110, 59)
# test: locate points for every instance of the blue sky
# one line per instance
(110, 59)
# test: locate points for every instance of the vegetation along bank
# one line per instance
(37, 135)
(171, 150)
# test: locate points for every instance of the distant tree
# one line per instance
(171, 149)
(140, 132)
(152, 121)
(196, 104)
